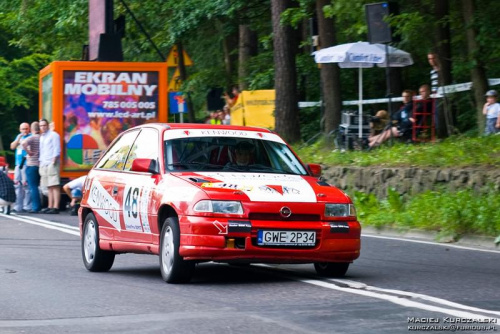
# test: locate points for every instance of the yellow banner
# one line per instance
(254, 108)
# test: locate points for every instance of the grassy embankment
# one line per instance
(449, 213)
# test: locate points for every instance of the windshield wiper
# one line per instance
(257, 168)
(263, 168)
(202, 164)
(192, 165)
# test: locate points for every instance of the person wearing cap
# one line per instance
(491, 110)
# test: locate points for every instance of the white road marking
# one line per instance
(400, 300)
(431, 243)
(360, 285)
(394, 296)
(47, 224)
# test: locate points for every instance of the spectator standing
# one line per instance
(74, 191)
(227, 115)
(20, 181)
(7, 192)
(32, 147)
(231, 100)
(434, 73)
(50, 150)
(215, 118)
(491, 110)
(443, 118)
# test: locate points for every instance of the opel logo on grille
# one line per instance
(285, 212)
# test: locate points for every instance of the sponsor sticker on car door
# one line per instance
(135, 207)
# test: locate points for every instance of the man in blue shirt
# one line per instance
(23, 199)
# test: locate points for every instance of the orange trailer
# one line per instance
(90, 103)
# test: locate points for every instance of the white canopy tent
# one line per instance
(363, 55)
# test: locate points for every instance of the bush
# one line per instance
(450, 213)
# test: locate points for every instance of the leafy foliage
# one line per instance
(450, 213)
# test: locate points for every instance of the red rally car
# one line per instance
(194, 192)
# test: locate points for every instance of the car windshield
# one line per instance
(231, 155)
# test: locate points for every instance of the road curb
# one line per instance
(468, 240)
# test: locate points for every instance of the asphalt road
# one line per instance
(394, 285)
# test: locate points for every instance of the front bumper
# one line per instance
(212, 239)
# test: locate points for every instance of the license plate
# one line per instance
(286, 238)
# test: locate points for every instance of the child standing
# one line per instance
(491, 110)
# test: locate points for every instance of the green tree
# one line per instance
(286, 105)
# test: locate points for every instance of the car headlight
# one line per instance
(340, 210)
(225, 207)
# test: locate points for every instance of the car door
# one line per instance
(137, 188)
(104, 196)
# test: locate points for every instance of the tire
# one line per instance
(174, 269)
(94, 258)
(331, 269)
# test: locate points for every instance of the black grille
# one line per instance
(277, 216)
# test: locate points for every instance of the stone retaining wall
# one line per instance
(410, 180)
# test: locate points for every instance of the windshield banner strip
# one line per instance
(193, 133)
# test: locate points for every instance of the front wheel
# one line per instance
(94, 258)
(331, 269)
(174, 269)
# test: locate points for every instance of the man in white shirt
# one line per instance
(50, 150)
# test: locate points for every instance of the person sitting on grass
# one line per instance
(402, 122)
(378, 123)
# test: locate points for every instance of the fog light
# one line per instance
(230, 243)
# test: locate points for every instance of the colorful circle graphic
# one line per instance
(78, 144)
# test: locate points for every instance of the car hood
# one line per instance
(264, 187)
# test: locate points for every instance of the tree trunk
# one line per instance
(478, 75)
(443, 49)
(286, 106)
(183, 75)
(229, 43)
(443, 40)
(248, 45)
(396, 88)
(330, 73)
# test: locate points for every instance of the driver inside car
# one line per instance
(243, 154)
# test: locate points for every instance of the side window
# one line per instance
(115, 157)
(145, 147)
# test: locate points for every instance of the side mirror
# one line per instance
(145, 166)
(314, 169)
